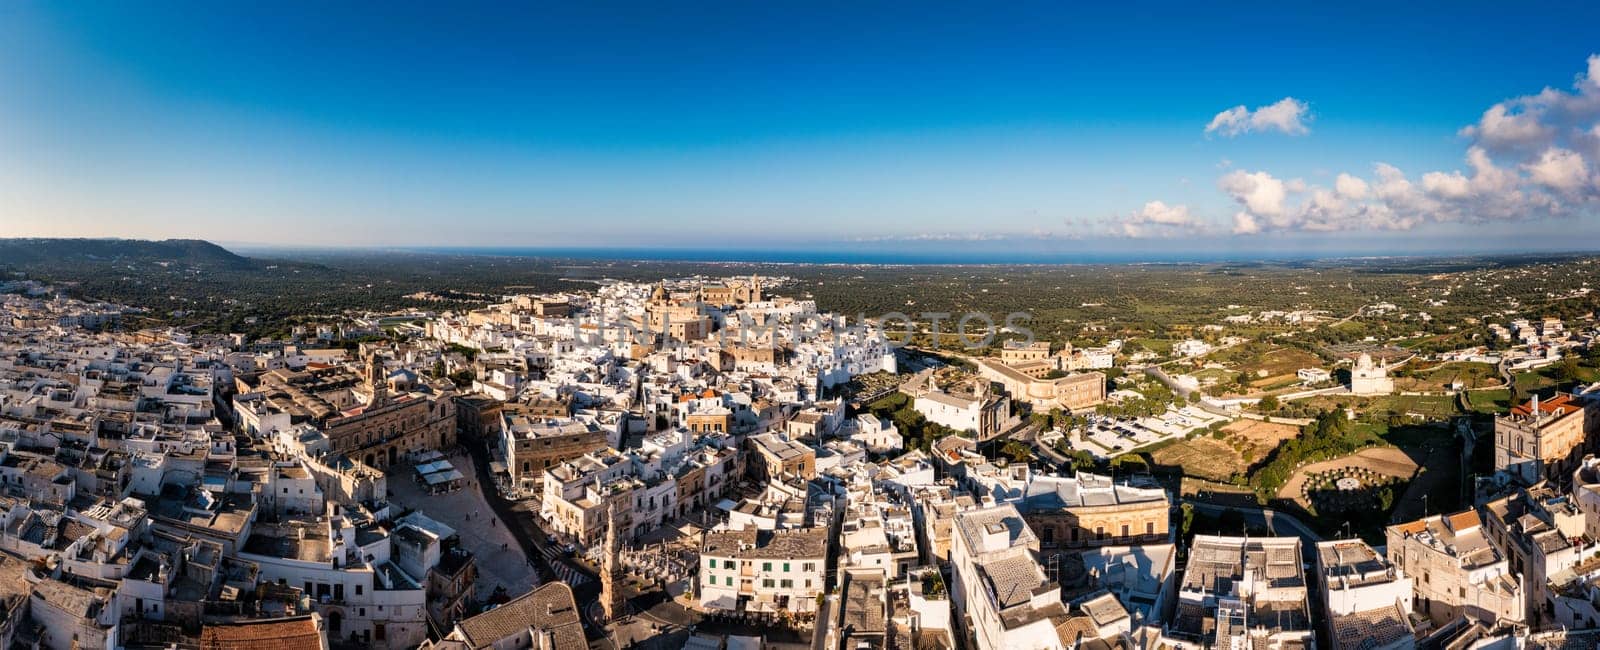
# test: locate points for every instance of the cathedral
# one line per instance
(732, 292)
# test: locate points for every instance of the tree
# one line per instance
(1567, 370)
(1270, 404)
(1385, 499)
(1130, 463)
(1017, 451)
(1186, 515)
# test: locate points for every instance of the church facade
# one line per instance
(381, 432)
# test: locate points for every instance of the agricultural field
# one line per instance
(1431, 407)
(1228, 452)
(1440, 377)
(1489, 402)
(1201, 457)
(1254, 439)
(1158, 346)
(1278, 365)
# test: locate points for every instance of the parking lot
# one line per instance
(501, 561)
(1109, 436)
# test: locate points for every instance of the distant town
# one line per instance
(712, 462)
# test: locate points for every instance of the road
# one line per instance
(524, 526)
(825, 614)
(1277, 522)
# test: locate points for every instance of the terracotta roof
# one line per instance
(550, 609)
(295, 633)
(1412, 527)
(1464, 520)
(1562, 402)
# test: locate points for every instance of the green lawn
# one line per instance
(1491, 402)
(1158, 346)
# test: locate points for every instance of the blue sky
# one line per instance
(905, 125)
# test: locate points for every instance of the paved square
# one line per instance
(501, 561)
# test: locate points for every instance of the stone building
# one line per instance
(1091, 510)
(1074, 392)
(1544, 440)
(1002, 595)
(1244, 592)
(732, 291)
(1455, 570)
(775, 457)
(384, 430)
(763, 570)
(1366, 603)
(973, 408)
(530, 443)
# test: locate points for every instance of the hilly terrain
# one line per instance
(63, 253)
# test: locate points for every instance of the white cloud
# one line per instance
(1261, 193)
(1231, 122)
(1528, 157)
(1157, 219)
(1448, 186)
(1245, 224)
(1501, 128)
(1559, 169)
(1287, 115)
(1350, 187)
(1174, 215)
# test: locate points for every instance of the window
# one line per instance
(358, 590)
(767, 583)
(1124, 530)
(810, 566)
(766, 567)
(712, 564)
(786, 584)
(1149, 528)
(727, 564)
(785, 567)
(730, 581)
(808, 583)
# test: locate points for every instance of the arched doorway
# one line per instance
(391, 456)
(335, 619)
(369, 461)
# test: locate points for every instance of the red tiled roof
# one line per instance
(296, 633)
(1561, 403)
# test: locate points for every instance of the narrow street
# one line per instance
(524, 526)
